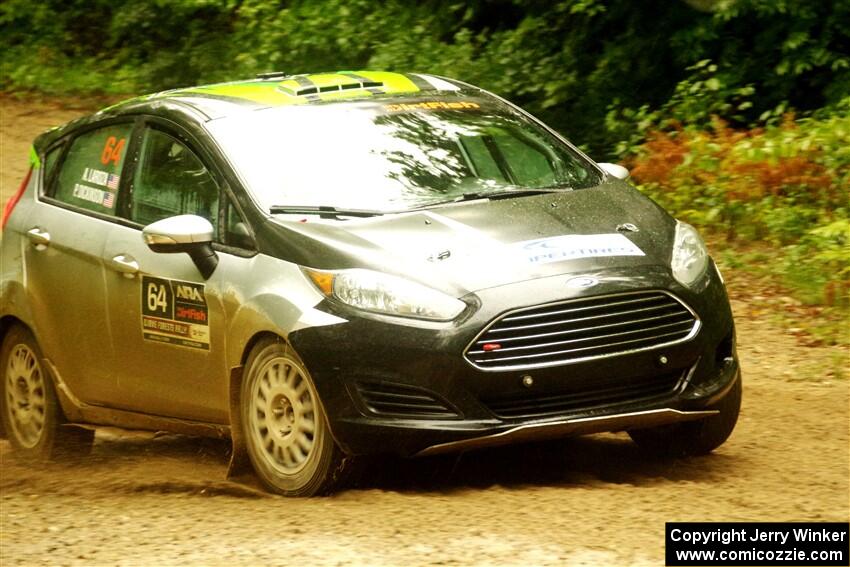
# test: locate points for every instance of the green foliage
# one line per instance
(784, 185)
(573, 62)
(819, 265)
(696, 101)
(93, 46)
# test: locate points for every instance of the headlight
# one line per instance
(384, 293)
(690, 256)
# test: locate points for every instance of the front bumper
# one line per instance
(407, 389)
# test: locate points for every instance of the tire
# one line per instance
(693, 437)
(29, 408)
(285, 427)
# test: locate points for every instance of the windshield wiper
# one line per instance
(493, 195)
(327, 212)
(323, 211)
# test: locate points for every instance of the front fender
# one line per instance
(277, 298)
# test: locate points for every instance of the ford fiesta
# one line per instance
(326, 266)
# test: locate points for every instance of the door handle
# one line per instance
(125, 264)
(40, 238)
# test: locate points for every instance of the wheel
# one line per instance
(285, 426)
(693, 437)
(32, 417)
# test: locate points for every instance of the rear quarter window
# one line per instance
(90, 175)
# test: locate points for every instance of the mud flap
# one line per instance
(240, 468)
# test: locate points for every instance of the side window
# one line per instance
(171, 180)
(90, 175)
(499, 154)
(528, 163)
(481, 158)
(236, 231)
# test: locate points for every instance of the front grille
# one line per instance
(582, 329)
(403, 401)
(606, 393)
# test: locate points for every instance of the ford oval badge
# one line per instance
(582, 282)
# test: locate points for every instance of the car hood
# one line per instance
(480, 244)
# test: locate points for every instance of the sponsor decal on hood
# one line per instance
(573, 246)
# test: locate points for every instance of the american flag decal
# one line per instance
(108, 199)
(112, 181)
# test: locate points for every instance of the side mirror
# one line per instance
(615, 170)
(184, 233)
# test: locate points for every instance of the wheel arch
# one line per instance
(6, 323)
(66, 408)
(240, 463)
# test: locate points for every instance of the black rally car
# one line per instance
(328, 266)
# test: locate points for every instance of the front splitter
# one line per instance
(569, 427)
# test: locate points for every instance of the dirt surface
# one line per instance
(143, 499)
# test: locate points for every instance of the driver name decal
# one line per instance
(175, 312)
(575, 246)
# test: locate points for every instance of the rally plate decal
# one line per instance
(175, 312)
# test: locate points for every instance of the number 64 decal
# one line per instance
(112, 150)
(157, 297)
(175, 312)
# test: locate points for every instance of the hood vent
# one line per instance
(315, 89)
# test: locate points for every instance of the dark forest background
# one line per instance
(574, 63)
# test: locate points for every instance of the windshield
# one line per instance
(391, 156)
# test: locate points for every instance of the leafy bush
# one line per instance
(784, 184)
(819, 265)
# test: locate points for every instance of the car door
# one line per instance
(168, 322)
(66, 231)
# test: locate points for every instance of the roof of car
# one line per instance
(280, 89)
(209, 102)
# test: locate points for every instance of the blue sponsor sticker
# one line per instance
(575, 246)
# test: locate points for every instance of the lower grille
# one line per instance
(612, 393)
(582, 329)
(397, 400)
